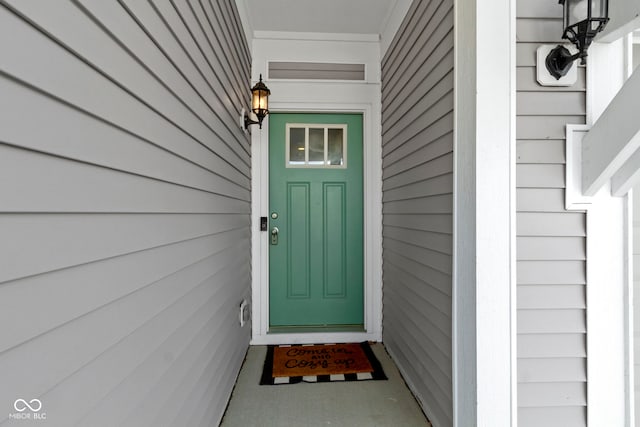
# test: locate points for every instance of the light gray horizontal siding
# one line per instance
(565, 369)
(533, 9)
(551, 272)
(546, 297)
(125, 209)
(540, 200)
(417, 137)
(554, 224)
(563, 416)
(539, 29)
(527, 126)
(546, 346)
(540, 175)
(551, 252)
(550, 103)
(526, 76)
(542, 151)
(552, 321)
(550, 248)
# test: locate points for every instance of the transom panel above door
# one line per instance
(316, 220)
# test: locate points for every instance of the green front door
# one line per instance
(315, 222)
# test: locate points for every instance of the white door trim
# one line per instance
(372, 167)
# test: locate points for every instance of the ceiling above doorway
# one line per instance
(326, 16)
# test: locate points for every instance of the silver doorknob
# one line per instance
(274, 235)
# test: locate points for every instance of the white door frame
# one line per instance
(372, 167)
(319, 96)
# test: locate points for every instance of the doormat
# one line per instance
(290, 364)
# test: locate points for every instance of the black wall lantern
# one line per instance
(583, 19)
(259, 104)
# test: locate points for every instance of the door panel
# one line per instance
(298, 239)
(335, 240)
(315, 199)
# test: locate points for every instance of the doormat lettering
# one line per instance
(290, 364)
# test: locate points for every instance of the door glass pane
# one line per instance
(296, 146)
(335, 151)
(316, 146)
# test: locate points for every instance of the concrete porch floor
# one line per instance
(363, 403)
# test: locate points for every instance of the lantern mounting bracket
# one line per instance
(559, 61)
(248, 121)
(582, 20)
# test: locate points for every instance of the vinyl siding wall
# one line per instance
(124, 209)
(417, 132)
(551, 301)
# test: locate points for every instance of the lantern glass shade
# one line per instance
(599, 12)
(584, 18)
(260, 100)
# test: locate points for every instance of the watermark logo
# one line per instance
(22, 405)
(28, 410)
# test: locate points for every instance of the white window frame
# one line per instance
(372, 166)
(306, 127)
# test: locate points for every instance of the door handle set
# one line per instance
(274, 230)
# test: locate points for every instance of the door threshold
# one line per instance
(318, 336)
(315, 328)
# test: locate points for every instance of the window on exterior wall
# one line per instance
(316, 146)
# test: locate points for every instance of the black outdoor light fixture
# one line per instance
(259, 104)
(583, 19)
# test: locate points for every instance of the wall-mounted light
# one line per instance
(583, 19)
(259, 104)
